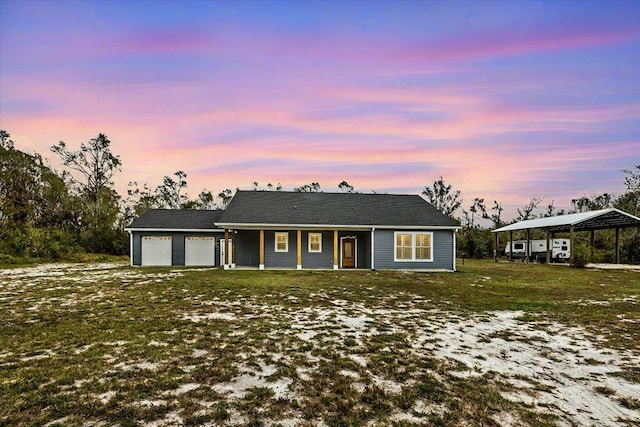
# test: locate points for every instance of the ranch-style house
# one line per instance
(292, 230)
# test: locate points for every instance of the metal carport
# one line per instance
(585, 221)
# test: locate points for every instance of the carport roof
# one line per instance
(594, 220)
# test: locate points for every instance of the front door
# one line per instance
(348, 252)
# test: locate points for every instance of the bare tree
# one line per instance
(593, 203)
(170, 192)
(92, 169)
(477, 207)
(225, 197)
(632, 180)
(314, 187)
(496, 216)
(527, 212)
(345, 187)
(443, 197)
(206, 200)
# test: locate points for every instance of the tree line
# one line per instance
(475, 239)
(52, 214)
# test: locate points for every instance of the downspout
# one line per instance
(373, 248)
(455, 234)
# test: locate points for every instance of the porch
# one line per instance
(301, 248)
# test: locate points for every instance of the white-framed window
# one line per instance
(404, 246)
(423, 246)
(413, 246)
(282, 242)
(315, 242)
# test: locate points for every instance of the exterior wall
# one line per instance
(363, 247)
(177, 244)
(442, 252)
(279, 259)
(323, 259)
(247, 248)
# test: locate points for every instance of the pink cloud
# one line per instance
(488, 44)
(346, 48)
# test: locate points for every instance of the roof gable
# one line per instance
(184, 219)
(340, 209)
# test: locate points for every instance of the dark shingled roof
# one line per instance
(280, 207)
(183, 219)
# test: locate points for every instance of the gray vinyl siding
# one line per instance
(363, 247)
(442, 251)
(323, 259)
(177, 245)
(279, 259)
(248, 248)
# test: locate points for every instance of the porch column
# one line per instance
(593, 243)
(510, 246)
(261, 266)
(335, 249)
(527, 251)
(233, 249)
(617, 245)
(548, 248)
(226, 249)
(299, 250)
(572, 257)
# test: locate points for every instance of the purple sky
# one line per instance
(505, 100)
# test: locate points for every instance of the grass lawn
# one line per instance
(494, 344)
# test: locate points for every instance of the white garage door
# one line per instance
(200, 251)
(156, 250)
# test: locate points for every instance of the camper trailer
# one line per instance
(560, 250)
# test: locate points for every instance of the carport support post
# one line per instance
(617, 245)
(510, 246)
(593, 242)
(335, 249)
(527, 252)
(299, 250)
(548, 249)
(226, 249)
(261, 266)
(572, 258)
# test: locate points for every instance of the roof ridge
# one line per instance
(326, 192)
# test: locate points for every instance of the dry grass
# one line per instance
(495, 344)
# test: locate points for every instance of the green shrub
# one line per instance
(581, 255)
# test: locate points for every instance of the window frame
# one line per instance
(286, 241)
(314, 251)
(414, 235)
(396, 247)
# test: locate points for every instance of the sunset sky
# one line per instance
(507, 100)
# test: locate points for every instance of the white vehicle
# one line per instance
(560, 250)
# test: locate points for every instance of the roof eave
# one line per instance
(256, 226)
(187, 230)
